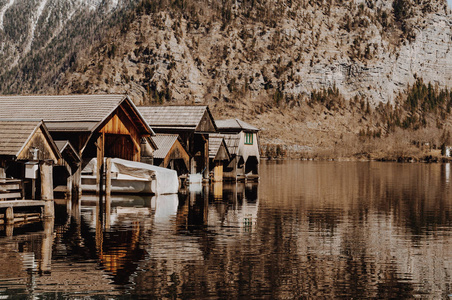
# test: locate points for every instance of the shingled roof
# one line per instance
(232, 142)
(215, 142)
(65, 112)
(15, 135)
(65, 147)
(177, 117)
(235, 125)
(164, 143)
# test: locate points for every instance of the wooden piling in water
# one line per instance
(46, 181)
(108, 193)
(47, 189)
(108, 177)
(100, 163)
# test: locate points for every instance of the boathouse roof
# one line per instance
(232, 142)
(19, 138)
(67, 150)
(164, 144)
(70, 112)
(234, 125)
(218, 149)
(196, 118)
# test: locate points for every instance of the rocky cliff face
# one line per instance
(361, 47)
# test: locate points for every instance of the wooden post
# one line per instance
(46, 181)
(100, 162)
(2, 173)
(206, 159)
(47, 189)
(9, 215)
(49, 209)
(75, 209)
(192, 165)
(9, 230)
(108, 177)
(205, 203)
(108, 193)
(69, 183)
(77, 181)
(33, 189)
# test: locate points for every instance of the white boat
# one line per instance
(129, 177)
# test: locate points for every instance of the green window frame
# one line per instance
(248, 138)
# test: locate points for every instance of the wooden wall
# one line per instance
(40, 142)
(177, 152)
(123, 139)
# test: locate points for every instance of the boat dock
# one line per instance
(14, 209)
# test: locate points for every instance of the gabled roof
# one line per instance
(66, 147)
(232, 142)
(15, 135)
(234, 125)
(68, 112)
(164, 143)
(215, 143)
(179, 117)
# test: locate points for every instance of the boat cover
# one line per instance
(164, 181)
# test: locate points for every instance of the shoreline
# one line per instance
(369, 158)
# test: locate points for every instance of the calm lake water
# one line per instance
(307, 230)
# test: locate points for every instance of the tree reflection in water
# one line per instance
(308, 229)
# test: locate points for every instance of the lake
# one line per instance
(306, 230)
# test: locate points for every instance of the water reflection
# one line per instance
(381, 229)
(308, 229)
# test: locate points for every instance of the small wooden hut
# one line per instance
(243, 145)
(24, 147)
(218, 156)
(171, 153)
(192, 123)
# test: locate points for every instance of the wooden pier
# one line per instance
(9, 214)
(15, 209)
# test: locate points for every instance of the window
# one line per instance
(248, 138)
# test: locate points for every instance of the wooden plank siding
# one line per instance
(11, 189)
(206, 124)
(122, 137)
(43, 144)
(177, 151)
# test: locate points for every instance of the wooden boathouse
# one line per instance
(94, 125)
(27, 153)
(218, 156)
(170, 153)
(192, 123)
(243, 144)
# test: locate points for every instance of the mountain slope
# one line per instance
(259, 60)
(201, 52)
(41, 38)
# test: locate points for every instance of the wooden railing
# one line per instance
(11, 189)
